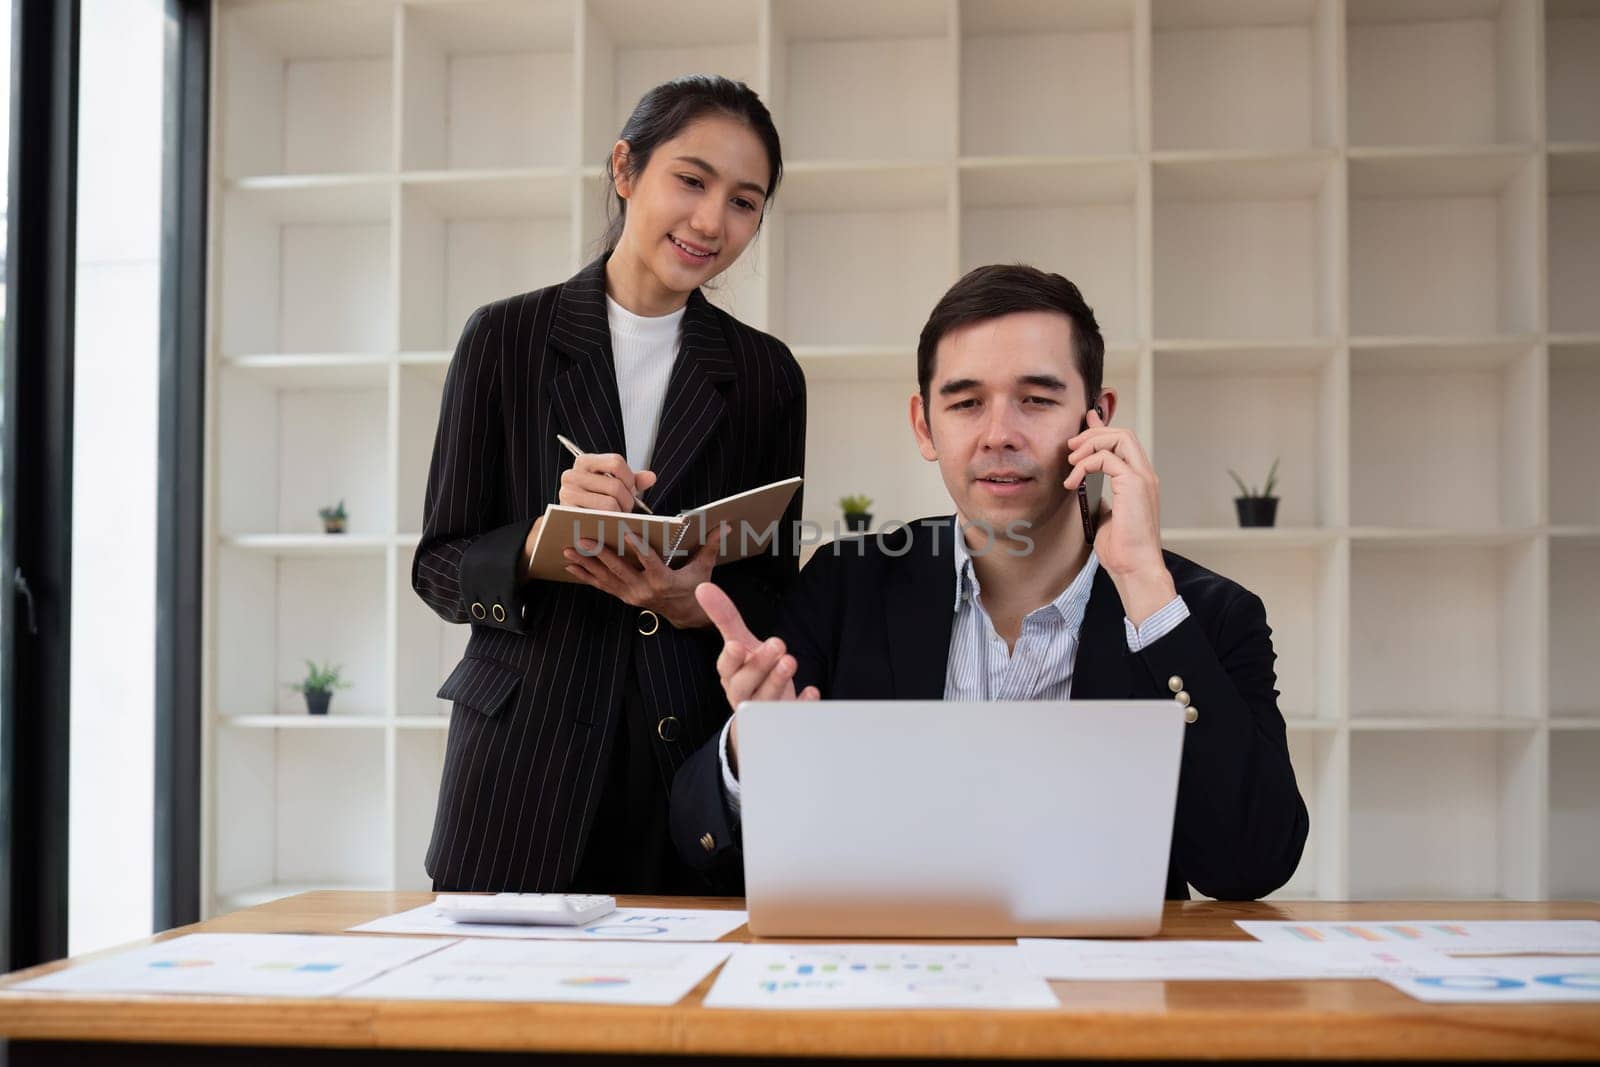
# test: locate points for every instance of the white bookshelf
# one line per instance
(1358, 236)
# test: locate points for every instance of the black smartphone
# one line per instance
(1089, 492)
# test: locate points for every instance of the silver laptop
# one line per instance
(958, 819)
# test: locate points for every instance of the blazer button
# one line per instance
(708, 842)
(499, 613)
(477, 611)
(649, 622)
(667, 729)
(1182, 698)
(1191, 713)
(1175, 684)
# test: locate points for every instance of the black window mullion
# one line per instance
(36, 548)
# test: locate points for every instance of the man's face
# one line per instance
(1004, 397)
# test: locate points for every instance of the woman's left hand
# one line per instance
(645, 581)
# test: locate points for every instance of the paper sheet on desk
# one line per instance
(1133, 961)
(877, 976)
(624, 924)
(1446, 935)
(256, 965)
(566, 971)
(1509, 980)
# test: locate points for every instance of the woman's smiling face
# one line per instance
(696, 204)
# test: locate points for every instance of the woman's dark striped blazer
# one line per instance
(538, 695)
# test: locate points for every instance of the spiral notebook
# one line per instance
(752, 516)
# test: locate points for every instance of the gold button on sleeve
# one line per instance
(499, 613)
(649, 622)
(478, 612)
(1182, 698)
(1191, 713)
(1175, 684)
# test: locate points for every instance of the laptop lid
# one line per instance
(957, 819)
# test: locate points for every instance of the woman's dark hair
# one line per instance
(1004, 289)
(665, 110)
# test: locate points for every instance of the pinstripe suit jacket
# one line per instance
(537, 698)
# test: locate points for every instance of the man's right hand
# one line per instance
(750, 668)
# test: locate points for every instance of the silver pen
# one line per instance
(576, 451)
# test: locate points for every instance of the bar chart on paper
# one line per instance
(1574, 935)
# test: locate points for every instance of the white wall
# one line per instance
(114, 473)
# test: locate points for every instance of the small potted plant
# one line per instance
(318, 686)
(1257, 508)
(856, 515)
(333, 519)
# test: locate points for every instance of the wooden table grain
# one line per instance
(1096, 1020)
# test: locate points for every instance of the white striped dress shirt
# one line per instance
(1039, 667)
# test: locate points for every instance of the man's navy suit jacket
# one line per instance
(870, 619)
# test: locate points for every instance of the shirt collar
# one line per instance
(1070, 605)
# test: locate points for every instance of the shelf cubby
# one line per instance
(307, 88)
(289, 609)
(1574, 637)
(303, 808)
(1574, 207)
(298, 438)
(863, 80)
(1047, 79)
(1439, 441)
(466, 242)
(306, 267)
(1296, 398)
(421, 397)
(866, 253)
(629, 49)
(1247, 248)
(489, 85)
(1446, 632)
(1232, 74)
(1574, 814)
(1432, 72)
(1572, 77)
(1303, 589)
(1444, 245)
(1452, 812)
(1574, 434)
(870, 418)
(1078, 220)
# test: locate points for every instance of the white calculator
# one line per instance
(526, 909)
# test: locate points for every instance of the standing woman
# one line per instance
(576, 702)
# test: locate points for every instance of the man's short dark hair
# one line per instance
(1005, 289)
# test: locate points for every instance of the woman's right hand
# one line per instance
(602, 481)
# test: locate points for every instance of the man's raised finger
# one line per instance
(724, 616)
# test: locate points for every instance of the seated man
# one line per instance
(1009, 600)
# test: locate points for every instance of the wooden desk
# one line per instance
(1097, 1020)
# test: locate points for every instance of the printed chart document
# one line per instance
(255, 965)
(750, 516)
(568, 971)
(1114, 961)
(1510, 979)
(877, 976)
(624, 924)
(1455, 937)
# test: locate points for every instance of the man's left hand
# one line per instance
(1128, 539)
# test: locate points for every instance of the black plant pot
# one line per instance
(858, 520)
(1256, 510)
(317, 701)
